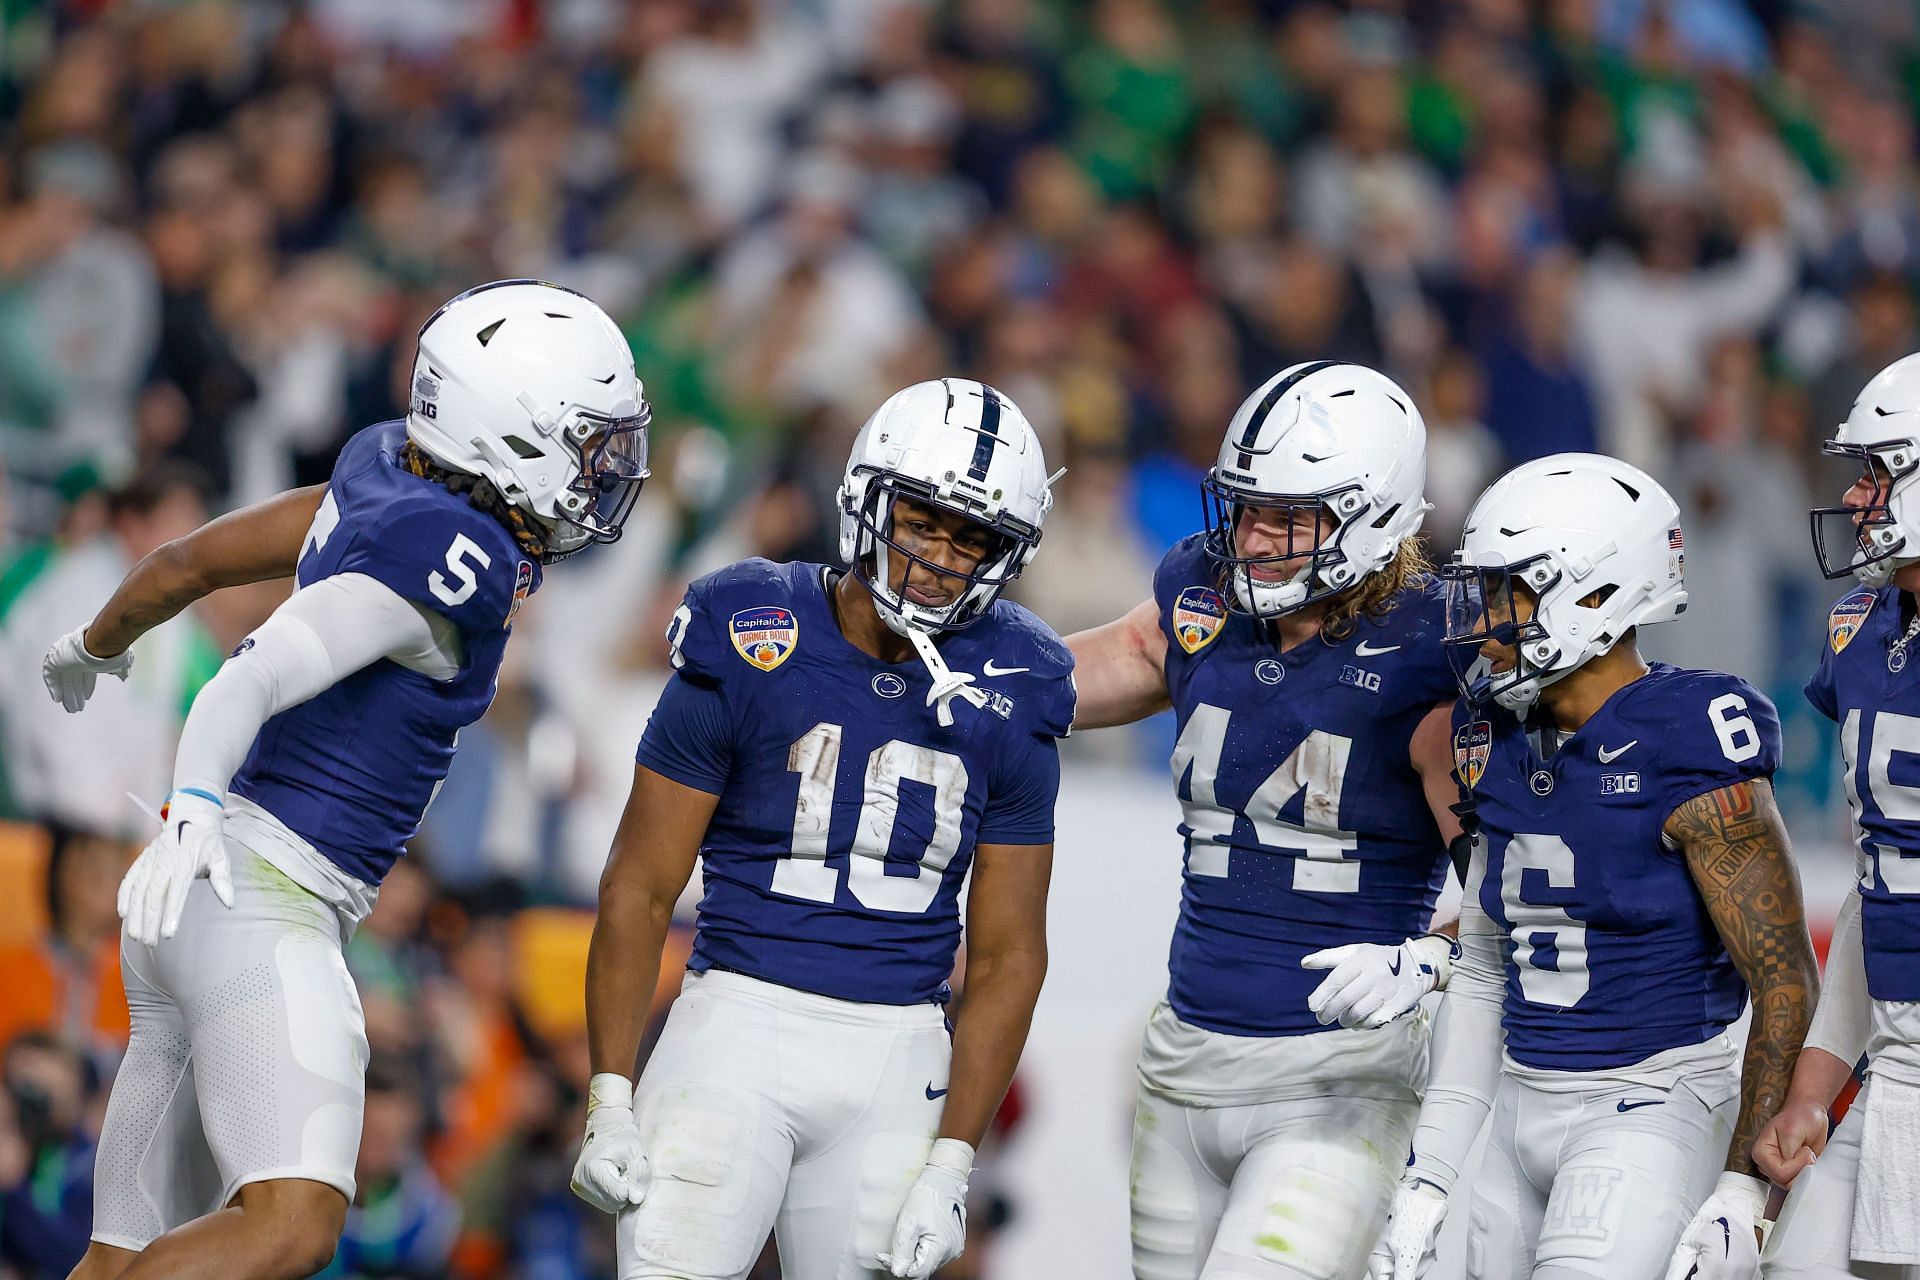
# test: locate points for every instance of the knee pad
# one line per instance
(699, 1140)
(1168, 1235)
(1316, 1218)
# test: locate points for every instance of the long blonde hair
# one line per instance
(1374, 594)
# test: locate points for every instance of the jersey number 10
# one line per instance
(805, 874)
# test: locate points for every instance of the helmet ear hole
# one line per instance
(520, 446)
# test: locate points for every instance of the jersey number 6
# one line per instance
(816, 758)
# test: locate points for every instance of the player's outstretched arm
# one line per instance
(1737, 849)
(1119, 669)
(1791, 1141)
(1006, 963)
(253, 544)
(654, 850)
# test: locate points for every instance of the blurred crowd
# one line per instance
(1681, 231)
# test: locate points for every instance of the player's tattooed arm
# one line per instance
(1006, 963)
(1120, 669)
(1736, 846)
(254, 544)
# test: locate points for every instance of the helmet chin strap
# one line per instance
(948, 684)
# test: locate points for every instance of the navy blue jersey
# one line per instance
(847, 816)
(1611, 955)
(1305, 822)
(1879, 713)
(351, 770)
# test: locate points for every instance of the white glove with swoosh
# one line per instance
(1405, 1248)
(1722, 1242)
(611, 1172)
(1372, 984)
(931, 1230)
(70, 670)
(191, 844)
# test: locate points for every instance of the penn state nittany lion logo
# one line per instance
(1844, 623)
(1198, 615)
(764, 636)
(1471, 747)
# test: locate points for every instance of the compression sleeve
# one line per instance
(1467, 1040)
(1843, 1018)
(321, 634)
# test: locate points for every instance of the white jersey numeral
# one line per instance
(1317, 767)
(1897, 802)
(805, 873)
(325, 521)
(1563, 985)
(457, 555)
(1739, 740)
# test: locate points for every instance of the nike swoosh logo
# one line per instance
(1623, 1106)
(933, 1094)
(1365, 650)
(1393, 966)
(1608, 757)
(990, 670)
(959, 1216)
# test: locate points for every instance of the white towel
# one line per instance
(1886, 1200)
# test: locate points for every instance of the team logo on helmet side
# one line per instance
(1471, 747)
(1198, 615)
(1847, 617)
(522, 588)
(764, 636)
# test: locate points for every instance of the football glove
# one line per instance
(1723, 1240)
(611, 1173)
(1405, 1248)
(1371, 984)
(931, 1230)
(69, 670)
(191, 844)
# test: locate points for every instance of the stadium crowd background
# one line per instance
(1684, 232)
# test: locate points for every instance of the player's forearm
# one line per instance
(255, 544)
(623, 968)
(1466, 1054)
(1818, 1077)
(1782, 1012)
(989, 1032)
(1119, 670)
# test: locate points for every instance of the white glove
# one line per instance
(69, 670)
(611, 1172)
(1405, 1248)
(1371, 984)
(191, 844)
(1722, 1242)
(932, 1227)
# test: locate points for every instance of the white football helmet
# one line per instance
(532, 387)
(1595, 541)
(1882, 433)
(1339, 438)
(958, 444)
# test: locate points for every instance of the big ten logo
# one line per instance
(1619, 784)
(1360, 678)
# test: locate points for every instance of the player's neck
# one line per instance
(1571, 702)
(859, 621)
(1298, 627)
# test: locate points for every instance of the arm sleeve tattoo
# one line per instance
(1737, 850)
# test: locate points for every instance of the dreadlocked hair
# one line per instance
(481, 494)
(1374, 594)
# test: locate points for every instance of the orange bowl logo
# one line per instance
(1198, 615)
(1471, 747)
(764, 636)
(1844, 623)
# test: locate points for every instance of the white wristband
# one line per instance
(951, 1156)
(609, 1089)
(1747, 1191)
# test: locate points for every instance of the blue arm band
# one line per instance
(199, 794)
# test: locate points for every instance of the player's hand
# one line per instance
(69, 670)
(611, 1173)
(1723, 1240)
(1405, 1249)
(932, 1227)
(191, 844)
(1372, 984)
(1791, 1141)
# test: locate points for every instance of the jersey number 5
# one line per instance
(462, 549)
(805, 874)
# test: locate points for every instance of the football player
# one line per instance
(1853, 1213)
(306, 762)
(837, 747)
(1631, 883)
(1298, 642)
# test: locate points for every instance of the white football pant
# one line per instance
(764, 1107)
(247, 1060)
(1812, 1238)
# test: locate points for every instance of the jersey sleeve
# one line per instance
(693, 636)
(1820, 690)
(468, 570)
(689, 736)
(1724, 731)
(1021, 794)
